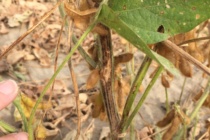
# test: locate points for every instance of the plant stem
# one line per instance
(201, 100)
(30, 128)
(130, 70)
(106, 80)
(17, 104)
(166, 103)
(180, 97)
(87, 58)
(141, 101)
(133, 91)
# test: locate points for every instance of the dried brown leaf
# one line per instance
(43, 56)
(15, 56)
(145, 132)
(3, 29)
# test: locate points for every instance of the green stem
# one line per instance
(17, 104)
(180, 97)
(167, 103)
(87, 58)
(141, 101)
(201, 101)
(30, 128)
(133, 91)
(130, 70)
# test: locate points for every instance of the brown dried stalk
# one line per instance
(186, 56)
(76, 92)
(106, 77)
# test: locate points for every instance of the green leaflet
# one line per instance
(107, 17)
(145, 16)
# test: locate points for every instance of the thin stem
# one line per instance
(167, 102)
(17, 104)
(133, 91)
(201, 100)
(183, 85)
(130, 70)
(30, 128)
(87, 58)
(141, 101)
(194, 40)
(76, 92)
(186, 56)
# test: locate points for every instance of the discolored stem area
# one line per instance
(106, 77)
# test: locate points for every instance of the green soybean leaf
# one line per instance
(144, 17)
(107, 17)
(138, 21)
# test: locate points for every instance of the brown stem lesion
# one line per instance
(106, 81)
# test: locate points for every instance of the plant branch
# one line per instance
(141, 101)
(194, 40)
(186, 56)
(133, 92)
(106, 80)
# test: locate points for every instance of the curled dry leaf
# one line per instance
(3, 29)
(4, 66)
(15, 20)
(15, 56)
(43, 56)
(83, 97)
(145, 132)
(83, 15)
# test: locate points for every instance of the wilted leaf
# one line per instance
(15, 56)
(3, 29)
(43, 56)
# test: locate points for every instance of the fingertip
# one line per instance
(8, 92)
(15, 136)
(21, 136)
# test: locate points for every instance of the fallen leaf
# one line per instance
(3, 29)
